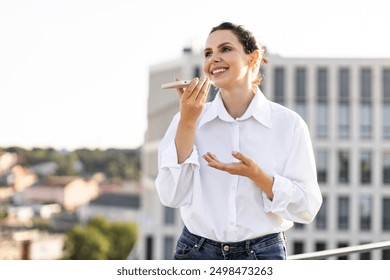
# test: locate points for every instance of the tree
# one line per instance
(100, 240)
(85, 244)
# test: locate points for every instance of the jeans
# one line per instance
(194, 247)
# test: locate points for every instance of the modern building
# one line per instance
(346, 104)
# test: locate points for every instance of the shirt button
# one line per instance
(226, 248)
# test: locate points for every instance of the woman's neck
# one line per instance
(236, 101)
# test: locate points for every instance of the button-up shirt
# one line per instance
(230, 208)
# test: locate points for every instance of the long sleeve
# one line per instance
(297, 196)
(175, 181)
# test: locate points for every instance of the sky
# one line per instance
(74, 73)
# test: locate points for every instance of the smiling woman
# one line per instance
(238, 183)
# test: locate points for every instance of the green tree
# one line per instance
(85, 244)
(99, 240)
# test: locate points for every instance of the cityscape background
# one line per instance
(83, 77)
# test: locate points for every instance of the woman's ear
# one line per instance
(254, 58)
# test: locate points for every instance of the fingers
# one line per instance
(246, 160)
(197, 89)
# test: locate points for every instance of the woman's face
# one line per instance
(225, 62)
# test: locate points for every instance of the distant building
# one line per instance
(69, 192)
(31, 245)
(346, 104)
(115, 207)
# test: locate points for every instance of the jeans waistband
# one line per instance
(233, 246)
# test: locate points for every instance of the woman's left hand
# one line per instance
(244, 167)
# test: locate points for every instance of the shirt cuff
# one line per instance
(169, 157)
(283, 190)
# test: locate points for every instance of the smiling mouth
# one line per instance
(219, 70)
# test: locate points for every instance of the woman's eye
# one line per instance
(225, 49)
(207, 54)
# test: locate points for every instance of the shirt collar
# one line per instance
(259, 108)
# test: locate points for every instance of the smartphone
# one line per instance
(176, 84)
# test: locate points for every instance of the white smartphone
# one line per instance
(176, 84)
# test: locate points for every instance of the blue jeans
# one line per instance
(194, 247)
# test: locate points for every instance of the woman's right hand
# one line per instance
(193, 98)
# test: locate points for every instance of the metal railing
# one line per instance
(341, 251)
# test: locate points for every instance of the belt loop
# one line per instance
(200, 243)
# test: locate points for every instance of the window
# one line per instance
(149, 248)
(322, 120)
(322, 106)
(386, 167)
(300, 92)
(344, 106)
(365, 120)
(169, 244)
(365, 167)
(279, 85)
(365, 255)
(344, 120)
(365, 103)
(322, 85)
(365, 85)
(386, 254)
(343, 166)
(321, 221)
(365, 206)
(343, 85)
(386, 214)
(169, 216)
(342, 245)
(386, 120)
(298, 247)
(343, 213)
(322, 166)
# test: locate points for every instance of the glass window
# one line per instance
(322, 120)
(344, 120)
(365, 167)
(322, 166)
(365, 85)
(365, 120)
(344, 85)
(169, 244)
(343, 213)
(386, 85)
(342, 245)
(386, 214)
(386, 168)
(322, 84)
(365, 206)
(149, 248)
(301, 109)
(279, 85)
(386, 254)
(321, 221)
(169, 216)
(343, 166)
(298, 247)
(386, 120)
(300, 84)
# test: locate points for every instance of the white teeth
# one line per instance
(218, 71)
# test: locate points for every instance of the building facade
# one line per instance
(346, 104)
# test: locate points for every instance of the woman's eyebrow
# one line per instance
(219, 46)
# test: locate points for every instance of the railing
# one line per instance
(341, 251)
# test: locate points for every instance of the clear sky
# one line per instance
(74, 73)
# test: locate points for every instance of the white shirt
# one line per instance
(230, 208)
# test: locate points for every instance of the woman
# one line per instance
(241, 168)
